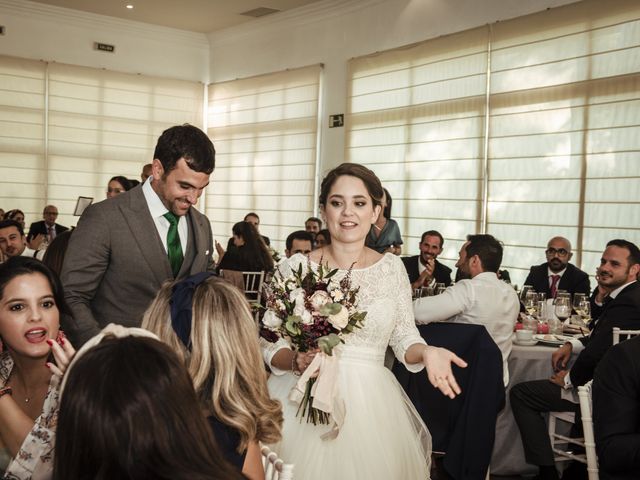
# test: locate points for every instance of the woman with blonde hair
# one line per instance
(208, 323)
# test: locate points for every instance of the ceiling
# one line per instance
(203, 16)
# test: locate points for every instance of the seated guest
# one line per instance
(12, 240)
(118, 185)
(137, 419)
(45, 229)
(482, 300)
(557, 273)
(147, 171)
(17, 215)
(250, 255)
(597, 301)
(313, 225)
(31, 301)
(384, 235)
(619, 265)
(425, 269)
(616, 412)
(208, 323)
(299, 241)
(323, 238)
(55, 253)
(254, 220)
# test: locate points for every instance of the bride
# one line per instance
(382, 436)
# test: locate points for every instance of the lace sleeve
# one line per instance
(405, 332)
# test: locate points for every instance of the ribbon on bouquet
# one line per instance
(325, 391)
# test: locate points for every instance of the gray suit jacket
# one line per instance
(115, 263)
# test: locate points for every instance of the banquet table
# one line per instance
(525, 363)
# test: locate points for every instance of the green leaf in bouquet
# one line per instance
(327, 342)
(358, 317)
(292, 325)
(331, 273)
(330, 309)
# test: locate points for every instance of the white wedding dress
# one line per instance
(382, 436)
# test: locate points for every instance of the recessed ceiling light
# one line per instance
(130, 7)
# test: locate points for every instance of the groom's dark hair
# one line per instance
(188, 142)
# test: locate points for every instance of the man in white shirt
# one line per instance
(126, 247)
(483, 299)
(12, 240)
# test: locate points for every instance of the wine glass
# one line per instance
(584, 310)
(562, 307)
(578, 300)
(531, 302)
(523, 292)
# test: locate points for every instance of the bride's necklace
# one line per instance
(28, 396)
(357, 262)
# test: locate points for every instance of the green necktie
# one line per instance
(174, 248)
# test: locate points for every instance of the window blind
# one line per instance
(22, 136)
(265, 132)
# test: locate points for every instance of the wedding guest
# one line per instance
(45, 230)
(254, 219)
(619, 266)
(128, 411)
(313, 225)
(250, 255)
(147, 171)
(31, 301)
(16, 215)
(384, 235)
(323, 238)
(13, 242)
(299, 241)
(557, 273)
(425, 269)
(118, 185)
(55, 253)
(382, 436)
(483, 299)
(208, 323)
(616, 410)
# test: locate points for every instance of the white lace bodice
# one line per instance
(385, 294)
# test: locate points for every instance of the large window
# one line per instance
(265, 132)
(68, 129)
(524, 129)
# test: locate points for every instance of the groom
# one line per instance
(126, 247)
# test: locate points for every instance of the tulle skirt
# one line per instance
(382, 437)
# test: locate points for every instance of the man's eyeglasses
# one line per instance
(561, 252)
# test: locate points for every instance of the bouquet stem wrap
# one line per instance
(324, 393)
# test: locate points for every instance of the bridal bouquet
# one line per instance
(312, 310)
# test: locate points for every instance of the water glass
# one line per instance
(530, 323)
(555, 326)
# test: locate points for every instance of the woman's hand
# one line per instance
(438, 364)
(221, 251)
(302, 360)
(63, 353)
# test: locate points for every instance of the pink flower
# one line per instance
(340, 319)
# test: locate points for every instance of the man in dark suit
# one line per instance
(616, 412)
(126, 247)
(425, 269)
(557, 273)
(45, 229)
(619, 266)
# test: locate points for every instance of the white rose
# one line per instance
(340, 319)
(337, 295)
(307, 318)
(271, 320)
(298, 296)
(319, 299)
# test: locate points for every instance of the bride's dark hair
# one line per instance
(370, 180)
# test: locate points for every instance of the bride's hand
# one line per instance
(63, 353)
(303, 360)
(438, 364)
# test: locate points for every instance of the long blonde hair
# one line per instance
(225, 361)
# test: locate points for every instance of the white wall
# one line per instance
(44, 32)
(333, 31)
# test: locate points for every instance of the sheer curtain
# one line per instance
(22, 136)
(525, 129)
(104, 123)
(265, 132)
(65, 130)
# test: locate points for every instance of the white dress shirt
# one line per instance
(482, 300)
(157, 210)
